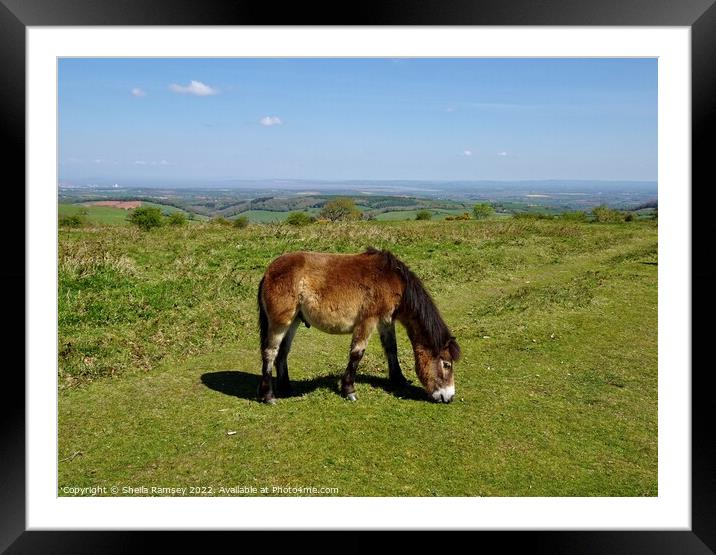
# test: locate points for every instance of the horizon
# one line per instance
(238, 183)
(409, 119)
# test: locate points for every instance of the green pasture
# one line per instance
(94, 214)
(112, 216)
(556, 394)
(398, 215)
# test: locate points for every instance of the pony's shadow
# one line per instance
(244, 385)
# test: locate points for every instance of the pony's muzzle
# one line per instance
(444, 394)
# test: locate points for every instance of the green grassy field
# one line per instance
(112, 216)
(94, 214)
(556, 394)
(399, 215)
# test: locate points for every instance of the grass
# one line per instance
(556, 394)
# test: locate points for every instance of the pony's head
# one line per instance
(435, 370)
(434, 346)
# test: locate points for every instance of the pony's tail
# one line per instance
(263, 317)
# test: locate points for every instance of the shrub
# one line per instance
(482, 210)
(176, 218)
(341, 209)
(77, 220)
(241, 222)
(463, 216)
(577, 216)
(146, 217)
(299, 218)
(220, 220)
(603, 213)
(424, 215)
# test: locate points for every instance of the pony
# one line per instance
(353, 294)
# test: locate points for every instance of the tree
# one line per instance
(341, 209)
(146, 217)
(424, 215)
(482, 210)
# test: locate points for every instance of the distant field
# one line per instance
(264, 216)
(111, 215)
(268, 216)
(166, 209)
(556, 394)
(96, 214)
(398, 215)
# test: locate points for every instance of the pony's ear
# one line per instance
(454, 349)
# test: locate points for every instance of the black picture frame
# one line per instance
(698, 15)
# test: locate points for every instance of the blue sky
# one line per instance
(433, 119)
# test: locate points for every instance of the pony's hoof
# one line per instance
(269, 401)
(351, 397)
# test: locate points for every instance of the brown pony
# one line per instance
(353, 293)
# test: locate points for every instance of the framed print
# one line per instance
(575, 418)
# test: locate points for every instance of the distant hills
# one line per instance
(379, 199)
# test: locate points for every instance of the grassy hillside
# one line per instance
(556, 394)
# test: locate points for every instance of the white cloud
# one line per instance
(503, 153)
(270, 120)
(197, 88)
(161, 162)
(136, 91)
(467, 152)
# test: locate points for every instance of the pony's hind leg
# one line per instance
(269, 352)
(361, 334)
(283, 385)
(390, 347)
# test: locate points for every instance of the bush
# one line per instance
(241, 222)
(76, 220)
(176, 218)
(603, 213)
(220, 220)
(146, 217)
(299, 218)
(341, 209)
(577, 216)
(424, 215)
(482, 211)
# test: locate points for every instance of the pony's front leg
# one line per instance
(390, 347)
(361, 334)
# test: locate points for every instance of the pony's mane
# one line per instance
(417, 301)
